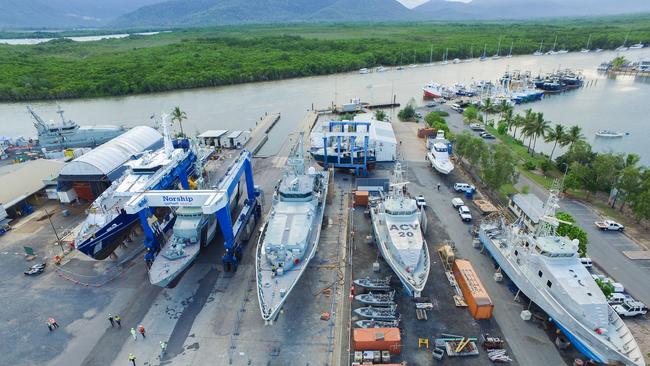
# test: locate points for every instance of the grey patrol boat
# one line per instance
(398, 226)
(290, 235)
(66, 134)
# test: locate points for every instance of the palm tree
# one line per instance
(557, 135)
(528, 126)
(540, 128)
(517, 121)
(488, 108)
(573, 135)
(507, 117)
(179, 115)
(503, 106)
(618, 62)
(470, 115)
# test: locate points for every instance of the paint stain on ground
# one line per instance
(194, 346)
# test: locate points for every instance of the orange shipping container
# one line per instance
(377, 339)
(361, 198)
(477, 299)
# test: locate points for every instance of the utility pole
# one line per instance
(58, 240)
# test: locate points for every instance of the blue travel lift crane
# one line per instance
(342, 135)
(214, 201)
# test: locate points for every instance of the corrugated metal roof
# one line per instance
(530, 204)
(20, 181)
(113, 154)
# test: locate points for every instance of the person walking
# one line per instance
(110, 319)
(132, 358)
(163, 349)
(135, 337)
(53, 322)
(438, 186)
(118, 320)
(141, 330)
(49, 325)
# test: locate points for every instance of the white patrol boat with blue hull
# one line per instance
(107, 223)
(290, 235)
(68, 134)
(398, 225)
(547, 269)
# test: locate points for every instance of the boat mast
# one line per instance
(499, 46)
(554, 43)
(296, 160)
(484, 50)
(167, 141)
(471, 52)
(511, 44)
(39, 124)
(431, 54)
(59, 111)
(625, 41)
(588, 41)
(541, 44)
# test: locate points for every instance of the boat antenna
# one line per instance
(167, 141)
(548, 223)
(296, 159)
(59, 111)
(39, 124)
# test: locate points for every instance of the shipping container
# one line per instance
(377, 339)
(477, 299)
(361, 198)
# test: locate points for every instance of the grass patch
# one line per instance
(507, 190)
(543, 181)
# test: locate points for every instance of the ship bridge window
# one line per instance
(440, 149)
(295, 194)
(400, 212)
(549, 284)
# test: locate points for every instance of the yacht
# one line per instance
(398, 226)
(364, 71)
(586, 49)
(66, 134)
(106, 223)
(439, 154)
(539, 51)
(547, 269)
(623, 47)
(637, 46)
(290, 235)
(609, 133)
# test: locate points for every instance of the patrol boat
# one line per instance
(290, 236)
(68, 134)
(547, 269)
(107, 223)
(398, 226)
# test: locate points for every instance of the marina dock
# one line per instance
(260, 134)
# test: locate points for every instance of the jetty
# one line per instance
(260, 134)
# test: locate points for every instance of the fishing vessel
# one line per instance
(439, 154)
(609, 133)
(371, 323)
(546, 267)
(66, 134)
(433, 90)
(398, 225)
(106, 223)
(290, 235)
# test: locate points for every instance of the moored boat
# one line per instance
(377, 299)
(609, 133)
(373, 283)
(438, 154)
(378, 313)
(371, 323)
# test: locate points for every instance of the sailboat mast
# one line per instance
(541, 44)
(499, 46)
(511, 44)
(431, 54)
(554, 43)
(471, 51)
(588, 41)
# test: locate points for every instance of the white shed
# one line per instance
(214, 137)
(237, 139)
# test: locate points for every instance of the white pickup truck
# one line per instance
(609, 225)
(630, 308)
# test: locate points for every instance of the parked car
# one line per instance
(418, 114)
(431, 104)
(487, 136)
(457, 202)
(476, 127)
(420, 201)
(609, 225)
(619, 298)
(457, 108)
(587, 262)
(630, 308)
(463, 187)
(465, 213)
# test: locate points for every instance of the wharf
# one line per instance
(260, 133)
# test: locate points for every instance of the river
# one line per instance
(28, 41)
(621, 104)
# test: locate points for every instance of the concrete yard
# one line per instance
(212, 317)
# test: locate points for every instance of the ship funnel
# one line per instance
(169, 148)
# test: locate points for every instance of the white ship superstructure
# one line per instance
(547, 269)
(290, 235)
(439, 154)
(398, 225)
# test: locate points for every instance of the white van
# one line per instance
(587, 262)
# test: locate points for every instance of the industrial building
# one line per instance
(381, 136)
(528, 207)
(21, 182)
(214, 138)
(87, 176)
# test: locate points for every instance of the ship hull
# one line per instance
(82, 138)
(441, 167)
(270, 307)
(574, 331)
(109, 237)
(382, 244)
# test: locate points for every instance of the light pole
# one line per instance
(58, 240)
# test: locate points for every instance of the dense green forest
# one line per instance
(228, 55)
